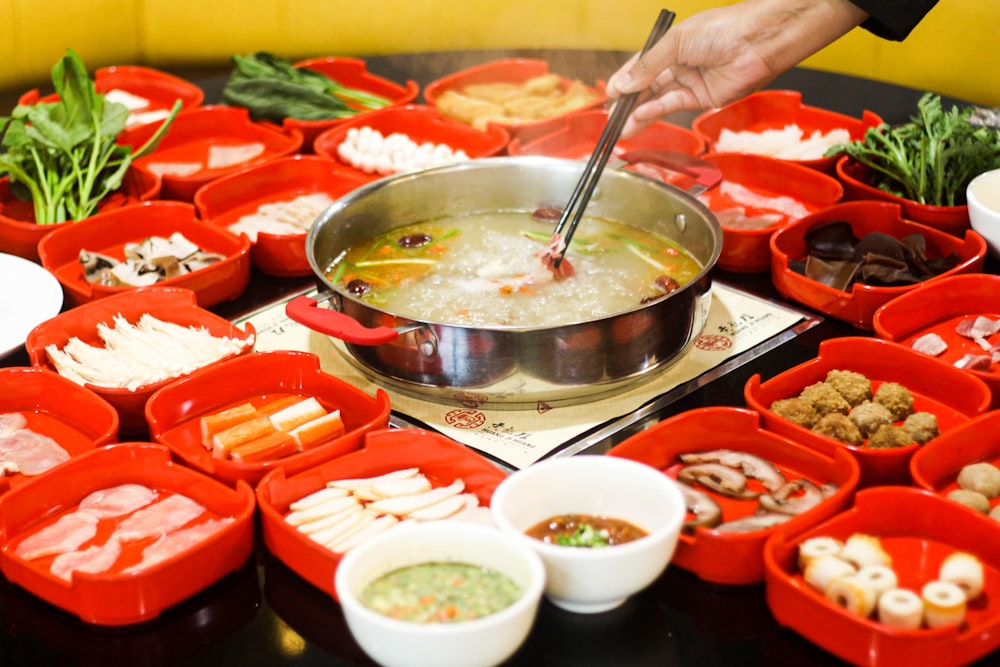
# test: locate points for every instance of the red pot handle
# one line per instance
(303, 309)
(706, 175)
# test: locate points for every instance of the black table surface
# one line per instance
(265, 614)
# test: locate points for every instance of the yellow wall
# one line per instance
(952, 52)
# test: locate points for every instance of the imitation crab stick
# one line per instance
(297, 414)
(251, 429)
(271, 407)
(319, 430)
(220, 421)
(266, 448)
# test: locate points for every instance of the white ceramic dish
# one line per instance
(480, 642)
(29, 295)
(983, 195)
(592, 580)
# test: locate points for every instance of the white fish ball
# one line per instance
(944, 604)
(901, 608)
(965, 571)
(820, 571)
(814, 547)
(853, 594)
(863, 550)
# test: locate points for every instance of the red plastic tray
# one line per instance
(950, 394)
(441, 459)
(918, 529)
(513, 70)
(171, 304)
(174, 412)
(855, 176)
(730, 557)
(108, 233)
(75, 417)
(936, 466)
(749, 250)
(858, 306)
(20, 234)
(420, 123)
(774, 110)
(938, 307)
(194, 131)
(353, 73)
(114, 598)
(224, 201)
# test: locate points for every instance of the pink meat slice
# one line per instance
(98, 558)
(977, 327)
(66, 534)
(118, 500)
(931, 344)
(11, 422)
(32, 453)
(974, 362)
(160, 518)
(179, 541)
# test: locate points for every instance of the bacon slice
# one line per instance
(177, 542)
(66, 534)
(160, 518)
(98, 558)
(118, 500)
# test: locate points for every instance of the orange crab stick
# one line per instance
(225, 441)
(319, 430)
(267, 448)
(220, 421)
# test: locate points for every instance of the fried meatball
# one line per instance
(982, 478)
(825, 399)
(853, 386)
(797, 410)
(923, 427)
(869, 416)
(976, 501)
(995, 513)
(897, 398)
(888, 436)
(838, 426)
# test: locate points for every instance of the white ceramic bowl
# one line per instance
(480, 642)
(983, 196)
(591, 580)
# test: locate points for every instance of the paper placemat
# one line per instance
(737, 323)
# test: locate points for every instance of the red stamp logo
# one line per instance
(465, 419)
(713, 343)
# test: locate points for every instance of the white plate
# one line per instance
(29, 295)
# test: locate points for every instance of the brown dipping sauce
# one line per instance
(585, 530)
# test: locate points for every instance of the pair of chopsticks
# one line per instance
(577, 203)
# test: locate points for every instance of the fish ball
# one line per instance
(944, 604)
(983, 478)
(853, 594)
(900, 608)
(973, 499)
(965, 571)
(879, 577)
(820, 571)
(815, 547)
(862, 550)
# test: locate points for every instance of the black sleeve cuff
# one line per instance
(893, 19)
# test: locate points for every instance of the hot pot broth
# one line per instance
(482, 269)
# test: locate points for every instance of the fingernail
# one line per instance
(621, 81)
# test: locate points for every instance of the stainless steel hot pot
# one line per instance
(509, 366)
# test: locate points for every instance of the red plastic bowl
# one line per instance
(858, 305)
(224, 201)
(953, 396)
(75, 417)
(171, 304)
(749, 250)
(421, 124)
(174, 412)
(776, 109)
(512, 70)
(441, 459)
(855, 176)
(112, 597)
(737, 557)
(20, 234)
(108, 233)
(195, 131)
(938, 307)
(353, 73)
(918, 529)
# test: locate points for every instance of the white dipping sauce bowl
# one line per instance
(480, 642)
(983, 197)
(591, 580)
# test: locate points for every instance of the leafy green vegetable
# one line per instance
(584, 536)
(932, 158)
(272, 89)
(63, 156)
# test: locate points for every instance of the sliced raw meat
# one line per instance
(98, 558)
(160, 518)
(118, 500)
(178, 542)
(977, 327)
(11, 422)
(930, 344)
(974, 362)
(227, 156)
(66, 534)
(32, 453)
(174, 168)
